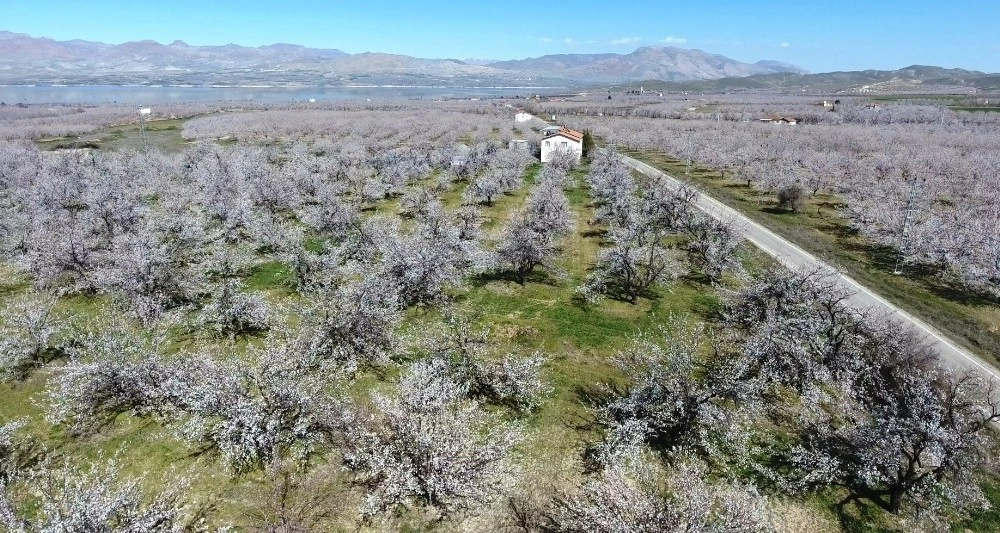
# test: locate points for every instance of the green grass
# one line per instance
(269, 276)
(970, 318)
(983, 519)
(12, 283)
(902, 97)
(955, 102)
(987, 109)
(162, 135)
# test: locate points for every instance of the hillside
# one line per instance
(914, 78)
(649, 62)
(29, 60)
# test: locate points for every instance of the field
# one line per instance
(307, 318)
(162, 135)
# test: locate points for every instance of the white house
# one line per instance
(523, 117)
(563, 140)
(778, 119)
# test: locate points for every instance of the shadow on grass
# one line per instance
(593, 396)
(963, 295)
(859, 516)
(10, 289)
(840, 231)
(709, 307)
(205, 449)
(696, 279)
(831, 204)
(596, 395)
(537, 275)
(779, 211)
(884, 258)
(75, 145)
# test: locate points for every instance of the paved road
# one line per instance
(952, 355)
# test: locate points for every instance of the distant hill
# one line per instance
(912, 79)
(18, 48)
(30, 60)
(664, 63)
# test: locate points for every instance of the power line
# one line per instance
(904, 233)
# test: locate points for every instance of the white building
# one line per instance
(523, 117)
(563, 140)
(519, 144)
(778, 119)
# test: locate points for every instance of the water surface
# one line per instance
(147, 95)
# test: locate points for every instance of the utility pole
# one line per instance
(143, 111)
(689, 155)
(904, 233)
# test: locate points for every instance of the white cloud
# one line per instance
(569, 40)
(545, 39)
(785, 45)
(625, 41)
(674, 40)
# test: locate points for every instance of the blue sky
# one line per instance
(820, 36)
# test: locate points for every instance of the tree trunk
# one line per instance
(895, 499)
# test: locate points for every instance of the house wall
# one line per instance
(551, 144)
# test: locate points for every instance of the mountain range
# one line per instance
(911, 79)
(30, 60)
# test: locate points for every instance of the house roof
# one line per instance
(778, 118)
(568, 133)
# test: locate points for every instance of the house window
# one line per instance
(546, 143)
(563, 144)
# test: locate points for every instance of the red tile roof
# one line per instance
(568, 133)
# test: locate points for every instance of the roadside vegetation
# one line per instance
(821, 228)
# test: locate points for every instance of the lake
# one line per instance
(146, 95)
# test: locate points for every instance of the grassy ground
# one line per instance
(954, 102)
(992, 109)
(164, 135)
(985, 519)
(970, 318)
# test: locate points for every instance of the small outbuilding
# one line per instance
(519, 144)
(460, 156)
